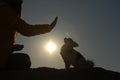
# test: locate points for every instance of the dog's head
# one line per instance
(70, 42)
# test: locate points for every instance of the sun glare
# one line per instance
(51, 47)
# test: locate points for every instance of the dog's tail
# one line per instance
(90, 63)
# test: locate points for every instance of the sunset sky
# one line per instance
(93, 24)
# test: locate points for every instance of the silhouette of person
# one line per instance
(10, 22)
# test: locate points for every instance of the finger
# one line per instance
(54, 22)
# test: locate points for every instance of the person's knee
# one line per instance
(19, 61)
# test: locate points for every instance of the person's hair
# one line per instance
(16, 5)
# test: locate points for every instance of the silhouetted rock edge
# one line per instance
(45, 73)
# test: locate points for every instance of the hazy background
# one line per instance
(94, 24)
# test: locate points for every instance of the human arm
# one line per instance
(31, 30)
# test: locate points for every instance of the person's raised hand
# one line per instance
(52, 25)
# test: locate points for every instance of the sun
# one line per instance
(51, 46)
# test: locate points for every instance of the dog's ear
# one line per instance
(65, 40)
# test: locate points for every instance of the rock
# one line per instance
(60, 74)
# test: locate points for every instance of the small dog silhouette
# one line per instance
(73, 57)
